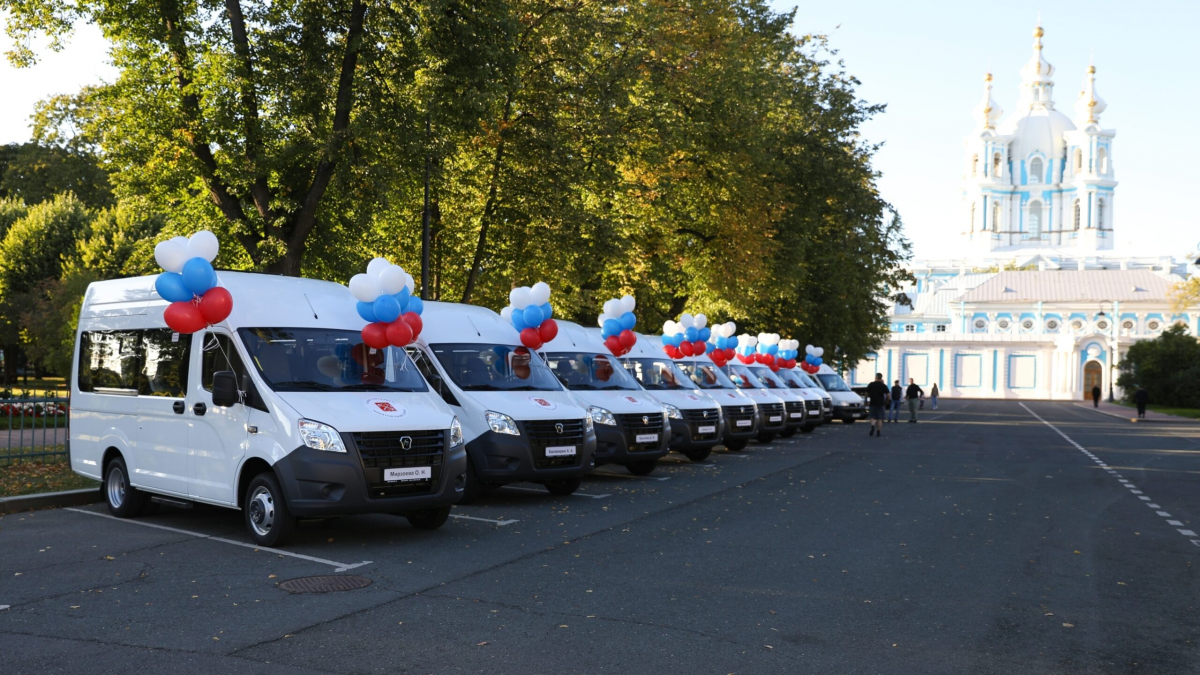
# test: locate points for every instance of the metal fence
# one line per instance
(33, 428)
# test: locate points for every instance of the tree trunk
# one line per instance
(677, 304)
(490, 207)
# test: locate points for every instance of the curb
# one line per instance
(49, 500)
(1173, 419)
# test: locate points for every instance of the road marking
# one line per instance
(341, 567)
(4, 607)
(1123, 481)
(546, 492)
(607, 474)
(483, 520)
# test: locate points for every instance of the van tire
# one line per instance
(848, 420)
(124, 500)
(808, 428)
(765, 437)
(472, 487)
(698, 455)
(429, 519)
(788, 432)
(738, 445)
(266, 504)
(564, 486)
(642, 468)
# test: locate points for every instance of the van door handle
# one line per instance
(199, 408)
(178, 407)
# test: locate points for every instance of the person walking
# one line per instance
(933, 394)
(1096, 396)
(913, 394)
(1141, 397)
(894, 405)
(877, 398)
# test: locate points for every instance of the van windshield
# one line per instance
(483, 367)
(791, 379)
(742, 377)
(579, 371)
(832, 382)
(319, 359)
(658, 374)
(770, 380)
(707, 375)
(805, 380)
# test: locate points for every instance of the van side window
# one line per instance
(220, 354)
(431, 375)
(164, 369)
(110, 361)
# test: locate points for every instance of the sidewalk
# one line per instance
(1122, 412)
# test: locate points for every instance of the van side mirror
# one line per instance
(225, 389)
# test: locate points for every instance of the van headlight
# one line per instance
(456, 438)
(320, 436)
(599, 415)
(501, 423)
(672, 412)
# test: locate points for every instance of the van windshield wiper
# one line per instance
(302, 385)
(370, 387)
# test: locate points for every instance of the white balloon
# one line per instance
(364, 288)
(687, 320)
(540, 293)
(818, 351)
(410, 283)
(701, 321)
(669, 327)
(521, 297)
(808, 349)
(203, 244)
(600, 320)
(628, 303)
(377, 265)
(747, 340)
(391, 279)
(612, 307)
(506, 313)
(171, 255)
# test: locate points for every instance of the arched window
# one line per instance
(996, 166)
(974, 165)
(1102, 162)
(1035, 219)
(1078, 214)
(996, 213)
(1100, 213)
(1035, 170)
(1078, 160)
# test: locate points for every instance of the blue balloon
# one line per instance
(628, 321)
(501, 364)
(387, 308)
(415, 305)
(771, 349)
(367, 311)
(402, 298)
(533, 316)
(611, 327)
(198, 276)
(692, 334)
(677, 339)
(547, 310)
(817, 361)
(518, 320)
(733, 342)
(705, 333)
(171, 288)
(709, 347)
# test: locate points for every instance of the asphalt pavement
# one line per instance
(991, 537)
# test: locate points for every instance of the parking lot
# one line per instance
(981, 540)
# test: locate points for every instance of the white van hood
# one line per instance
(729, 396)
(762, 396)
(843, 397)
(620, 402)
(530, 405)
(684, 399)
(371, 410)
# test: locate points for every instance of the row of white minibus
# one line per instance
(282, 412)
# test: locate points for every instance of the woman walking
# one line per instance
(933, 394)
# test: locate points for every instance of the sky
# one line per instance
(926, 60)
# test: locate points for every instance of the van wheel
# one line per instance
(429, 519)
(807, 428)
(564, 486)
(124, 500)
(472, 488)
(848, 420)
(788, 432)
(642, 468)
(266, 511)
(765, 437)
(738, 445)
(698, 455)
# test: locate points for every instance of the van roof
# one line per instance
(259, 300)
(453, 322)
(572, 336)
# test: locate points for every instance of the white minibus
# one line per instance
(739, 411)
(771, 421)
(280, 410)
(519, 422)
(817, 401)
(847, 405)
(630, 424)
(795, 413)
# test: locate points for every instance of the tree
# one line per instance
(36, 173)
(1168, 367)
(1185, 294)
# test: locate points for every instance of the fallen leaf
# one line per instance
(1068, 625)
(270, 576)
(109, 557)
(1077, 553)
(564, 626)
(481, 644)
(74, 606)
(768, 646)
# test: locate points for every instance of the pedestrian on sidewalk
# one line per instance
(1096, 396)
(913, 394)
(877, 397)
(894, 406)
(933, 394)
(1141, 397)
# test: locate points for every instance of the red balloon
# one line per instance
(718, 357)
(216, 304)
(184, 317)
(399, 333)
(614, 344)
(768, 359)
(375, 335)
(774, 367)
(548, 330)
(531, 339)
(687, 348)
(414, 321)
(628, 339)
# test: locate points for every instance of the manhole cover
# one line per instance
(325, 584)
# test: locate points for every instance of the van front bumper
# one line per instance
(613, 446)
(850, 412)
(504, 458)
(683, 438)
(318, 483)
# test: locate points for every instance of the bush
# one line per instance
(1168, 367)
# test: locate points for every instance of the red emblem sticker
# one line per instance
(385, 407)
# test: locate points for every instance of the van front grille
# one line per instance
(770, 410)
(739, 413)
(637, 424)
(554, 433)
(813, 406)
(794, 407)
(380, 450)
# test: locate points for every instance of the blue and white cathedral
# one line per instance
(1038, 305)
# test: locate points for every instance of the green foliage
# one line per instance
(33, 249)
(1168, 367)
(36, 173)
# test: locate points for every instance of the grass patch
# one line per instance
(1193, 413)
(28, 477)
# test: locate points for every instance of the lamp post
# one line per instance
(1112, 349)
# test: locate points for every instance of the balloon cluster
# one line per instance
(724, 342)
(616, 325)
(530, 314)
(812, 359)
(687, 337)
(386, 302)
(190, 283)
(788, 351)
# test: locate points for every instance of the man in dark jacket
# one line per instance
(1141, 397)
(877, 396)
(894, 404)
(1096, 396)
(913, 396)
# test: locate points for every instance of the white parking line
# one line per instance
(341, 567)
(573, 494)
(483, 520)
(630, 476)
